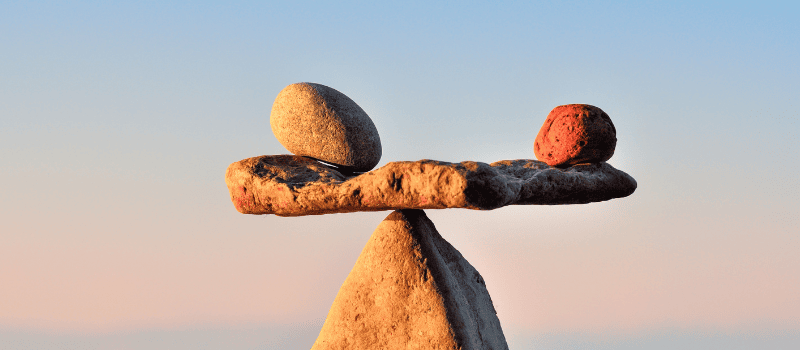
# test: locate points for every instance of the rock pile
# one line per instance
(409, 288)
(319, 122)
(574, 134)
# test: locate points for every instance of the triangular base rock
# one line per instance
(410, 289)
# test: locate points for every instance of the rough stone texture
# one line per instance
(574, 134)
(289, 185)
(317, 121)
(410, 289)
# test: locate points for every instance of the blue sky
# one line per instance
(117, 122)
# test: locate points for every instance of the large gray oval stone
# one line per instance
(317, 121)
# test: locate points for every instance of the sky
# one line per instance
(118, 120)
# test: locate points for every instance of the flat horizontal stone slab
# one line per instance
(289, 185)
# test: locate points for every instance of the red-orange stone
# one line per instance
(574, 134)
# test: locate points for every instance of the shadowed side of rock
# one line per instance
(410, 289)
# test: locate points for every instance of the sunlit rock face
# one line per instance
(320, 122)
(410, 289)
(574, 134)
(289, 185)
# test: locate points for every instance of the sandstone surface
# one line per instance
(574, 134)
(288, 185)
(411, 289)
(320, 122)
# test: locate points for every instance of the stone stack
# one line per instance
(409, 288)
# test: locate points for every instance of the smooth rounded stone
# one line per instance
(320, 122)
(574, 134)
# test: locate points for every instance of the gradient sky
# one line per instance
(117, 122)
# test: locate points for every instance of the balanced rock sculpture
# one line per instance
(409, 288)
(574, 134)
(317, 121)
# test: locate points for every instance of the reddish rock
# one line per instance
(574, 134)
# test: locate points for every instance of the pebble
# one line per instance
(319, 122)
(574, 134)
